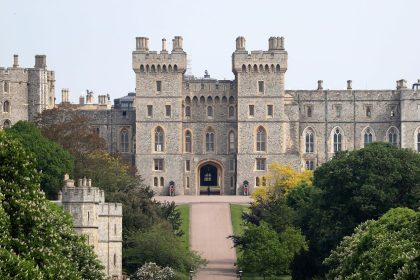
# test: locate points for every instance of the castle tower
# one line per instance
(263, 122)
(41, 91)
(158, 104)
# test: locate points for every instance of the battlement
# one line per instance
(146, 61)
(274, 60)
(83, 192)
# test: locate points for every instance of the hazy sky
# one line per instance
(89, 43)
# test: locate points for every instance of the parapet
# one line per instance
(273, 60)
(147, 61)
(83, 192)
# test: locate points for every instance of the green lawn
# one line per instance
(185, 225)
(236, 211)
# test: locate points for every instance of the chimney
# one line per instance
(401, 84)
(163, 45)
(81, 100)
(349, 84)
(240, 43)
(40, 61)
(320, 84)
(177, 43)
(15, 61)
(142, 44)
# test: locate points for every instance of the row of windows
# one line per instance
(159, 165)
(154, 69)
(168, 111)
(209, 100)
(251, 111)
(261, 68)
(338, 108)
(337, 137)
(217, 86)
(159, 140)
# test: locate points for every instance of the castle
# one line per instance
(101, 222)
(203, 134)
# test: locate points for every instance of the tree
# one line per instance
(266, 252)
(280, 179)
(388, 248)
(354, 187)
(51, 159)
(151, 271)
(159, 244)
(37, 237)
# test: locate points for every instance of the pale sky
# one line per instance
(89, 43)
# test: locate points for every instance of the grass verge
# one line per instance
(185, 225)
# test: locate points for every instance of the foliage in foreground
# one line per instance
(159, 244)
(37, 238)
(51, 159)
(151, 271)
(386, 249)
(267, 253)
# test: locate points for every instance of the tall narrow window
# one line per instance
(337, 141)
(257, 181)
(251, 110)
(261, 139)
(188, 182)
(337, 109)
(368, 111)
(231, 164)
(168, 111)
(368, 136)
(6, 107)
(231, 111)
(210, 141)
(188, 111)
(393, 136)
(158, 86)
(159, 139)
(270, 111)
(261, 86)
(162, 182)
(231, 141)
(115, 259)
(418, 141)
(309, 141)
(155, 182)
(309, 111)
(187, 165)
(124, 141)
(149, 111)
(210, 111)
(188, 141)
(6, 86)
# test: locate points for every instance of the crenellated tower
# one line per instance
(264, 118)
(159, 77)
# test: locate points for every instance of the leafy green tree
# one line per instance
(386, 249)
(37, 237)
(51, 159)
(351, 188)
(266, 252)
(159, 244)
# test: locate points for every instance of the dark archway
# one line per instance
(209, 179)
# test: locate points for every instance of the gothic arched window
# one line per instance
(6, 107)
(159, 139)
(309, 141)
(210, 111)
(367, 136)
(124, 141)
(188, 111)
(337, 141)
(210, 141)
(231, 141)
(261, 139)
(188, 141)
(231, 111)
(393, 136)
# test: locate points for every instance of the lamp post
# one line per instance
(240, 274)
(191, 274)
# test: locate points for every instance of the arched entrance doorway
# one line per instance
(210, 179)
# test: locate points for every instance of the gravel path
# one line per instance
(210, 225)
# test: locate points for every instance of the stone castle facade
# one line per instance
(201, 133)
(101, 222)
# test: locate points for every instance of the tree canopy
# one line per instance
(37, 237)
(386, 249)
(50, 158)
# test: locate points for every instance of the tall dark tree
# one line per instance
(37, 238)
(50, 158)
